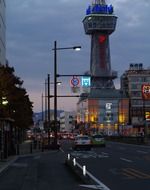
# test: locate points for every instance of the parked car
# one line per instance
(82, 142)
(98, 140)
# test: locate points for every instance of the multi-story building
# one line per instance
(2, 32)
(67, 121)
(131, 84)
(104, 113)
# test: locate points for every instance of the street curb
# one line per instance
(78, 173)
(8, 163)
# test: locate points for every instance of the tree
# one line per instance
(19, 106)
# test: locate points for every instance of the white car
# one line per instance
(82, 142)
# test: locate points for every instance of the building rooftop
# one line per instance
(103, 94)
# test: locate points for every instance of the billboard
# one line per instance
(146, 91)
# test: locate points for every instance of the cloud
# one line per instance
(34, 25)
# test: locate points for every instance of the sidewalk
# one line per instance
(46, 170)
(26, 148)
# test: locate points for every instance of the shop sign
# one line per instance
(146, 91)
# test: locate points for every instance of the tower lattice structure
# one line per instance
(100, 22)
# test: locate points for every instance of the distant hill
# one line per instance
(37, 116)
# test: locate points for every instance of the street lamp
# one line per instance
(77, 48)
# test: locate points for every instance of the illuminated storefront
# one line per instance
(104, 114)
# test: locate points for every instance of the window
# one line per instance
(136, 94)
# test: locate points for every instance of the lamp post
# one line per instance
(42, 108)
(48, 93)
(55, 85)
(49, 112)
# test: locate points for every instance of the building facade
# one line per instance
(132, 81)
(2, 32)
(67, 121)
(103, 113)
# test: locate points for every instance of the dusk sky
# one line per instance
(34, 25)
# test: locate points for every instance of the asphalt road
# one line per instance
(45, 171)
(118, 166)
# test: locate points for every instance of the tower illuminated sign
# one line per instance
(99, 9)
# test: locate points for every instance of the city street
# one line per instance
(118, 166)
(39, 171)
(71, 119)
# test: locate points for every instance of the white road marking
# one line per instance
(124, 159)
(89, 154)
(100, 185)
(143, 152)
(93, 186)
(62, 150)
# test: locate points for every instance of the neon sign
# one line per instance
(99, 9)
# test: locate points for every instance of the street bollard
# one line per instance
(84, 170)
(74, 162)
(68, 156)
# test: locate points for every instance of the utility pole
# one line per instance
(48, 93)
(42, 109)
(45, 101)
(55, 93)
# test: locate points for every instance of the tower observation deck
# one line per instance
(100, 22)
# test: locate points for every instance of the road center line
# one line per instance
(140, 151)
(124, 159)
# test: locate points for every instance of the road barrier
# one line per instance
(84, 175)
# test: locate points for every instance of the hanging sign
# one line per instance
(75, 82)
(86, 81)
